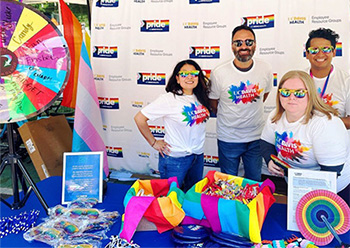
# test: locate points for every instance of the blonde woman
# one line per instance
(305, 132)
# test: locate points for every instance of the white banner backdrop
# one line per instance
(137, 43)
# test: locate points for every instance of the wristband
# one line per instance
(154, 142)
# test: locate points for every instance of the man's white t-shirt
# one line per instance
(240, 94)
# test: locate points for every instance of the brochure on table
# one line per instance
(301, 182)
(82, 176)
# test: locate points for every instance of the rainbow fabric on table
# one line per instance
(228, 216)
(158, 200)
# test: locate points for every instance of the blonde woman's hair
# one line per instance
(315, 103)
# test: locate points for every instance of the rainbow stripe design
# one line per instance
(275, 81)
(74, 38)
(339, 49)
(228, 216)
(146, 198)
(322, 202)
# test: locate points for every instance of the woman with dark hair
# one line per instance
(305, 132)
(184, 110)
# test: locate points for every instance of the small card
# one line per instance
(82, 176)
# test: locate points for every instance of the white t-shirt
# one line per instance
(240, 95)
(305, 146)
(184, 120)
(337, 93)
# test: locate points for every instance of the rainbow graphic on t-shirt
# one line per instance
(195, 114)
(288, 147)
(245, 93)
(327, 98)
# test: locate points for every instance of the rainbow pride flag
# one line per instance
(158, 200)
(228, 216)
(74, 37)
(88, 130)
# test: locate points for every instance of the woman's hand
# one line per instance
(162, 147)
(274, 169)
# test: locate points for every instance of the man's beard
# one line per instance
(244, 58)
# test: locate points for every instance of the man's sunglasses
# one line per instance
(316, 50)
(247, 42)
(297, 93)
(185, 74)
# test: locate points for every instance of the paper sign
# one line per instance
(82, 176)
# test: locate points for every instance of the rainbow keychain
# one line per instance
(279, 162)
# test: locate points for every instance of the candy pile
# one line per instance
(75, 226)
(15, 224)
(229, 190)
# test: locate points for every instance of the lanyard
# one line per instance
(325, 83)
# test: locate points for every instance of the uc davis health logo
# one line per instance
(116, 152)
(108, 103)
(203, 1)
(107, 3)
(144, 154)
(275, 79)
(258, 22)
(157, 131)
(105, 52)
(205, 52)
(151, 78)
(155, 26)
(211, 161)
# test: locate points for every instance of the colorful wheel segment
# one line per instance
(35, 62)
(315, 204)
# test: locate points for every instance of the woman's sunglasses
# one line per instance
(297, 93)
(247, 42)
(185, 74)
(316, 50)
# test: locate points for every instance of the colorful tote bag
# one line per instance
(158, 200)
(229, 216)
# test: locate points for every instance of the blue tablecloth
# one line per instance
(274, 226)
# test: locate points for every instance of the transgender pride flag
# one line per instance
(87, 133)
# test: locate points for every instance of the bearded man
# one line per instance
(239, 89)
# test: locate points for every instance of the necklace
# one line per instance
(325, 83)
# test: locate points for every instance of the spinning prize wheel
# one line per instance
(35, 62)
(318, 212)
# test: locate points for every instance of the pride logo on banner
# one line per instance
(258, 22)
(275, 79)
(105, 52)
(205, 52)
(155, 26)
(107, 3)
(339, 49)
(151, 78)
(203, 1)
(116, 152)
(108, 103)
(211, 161)
(207, 72)
(157, 131)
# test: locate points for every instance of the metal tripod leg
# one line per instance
(18, 171)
